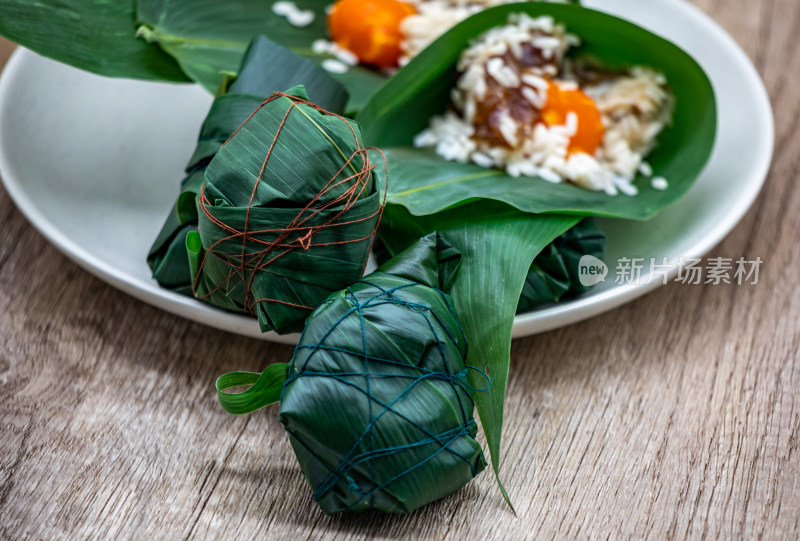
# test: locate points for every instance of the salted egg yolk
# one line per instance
(562, 101)
(370, 29)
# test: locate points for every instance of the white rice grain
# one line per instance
(572, 124)
(534, 97)
(283, 8)
(484, 160)
(334, 66)
(508, 128)
(301, 18)
(549, 175)
(625, 186)
(501, 73)
(534, 81)
(294, 15)
(321, 46)
(659, 183)
(346, 57)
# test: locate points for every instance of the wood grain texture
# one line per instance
(677, 415)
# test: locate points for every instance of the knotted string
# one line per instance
(457, 379)
(297, 234)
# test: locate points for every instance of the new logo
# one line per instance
(591, 271)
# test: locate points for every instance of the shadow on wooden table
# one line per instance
(264, 485)
(296, 511)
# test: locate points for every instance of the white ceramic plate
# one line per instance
(94, 164)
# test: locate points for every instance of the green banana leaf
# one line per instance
(209, 37)
(426, 184)
(94, 35)
(553, 276)
(287, 213)
(179, 40)
(266, 68)
(498, 243)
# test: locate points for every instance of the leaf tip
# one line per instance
(505, 494)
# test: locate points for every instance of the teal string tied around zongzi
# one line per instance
(377, 400)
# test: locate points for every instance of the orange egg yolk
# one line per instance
(561, 102)
(370, 29)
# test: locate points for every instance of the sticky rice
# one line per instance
(496, 118)
(435, 17)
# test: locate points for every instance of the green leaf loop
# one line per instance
(265, 389)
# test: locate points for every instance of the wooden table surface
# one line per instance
(677, 415)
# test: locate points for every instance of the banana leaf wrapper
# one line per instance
(377, 401)
(553, 276)
(288, 210)
(266, 68)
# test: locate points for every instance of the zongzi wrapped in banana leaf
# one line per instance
(377, 400)
(553, 276)
(307, 230)
(258, 78)
(288, 209)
